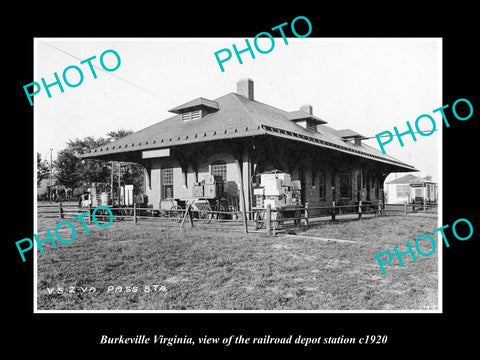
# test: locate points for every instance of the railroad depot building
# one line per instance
(236, 137)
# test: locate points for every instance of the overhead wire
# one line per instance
(111, 74)
(415, 132)
(150, 91)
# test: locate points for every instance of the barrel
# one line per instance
(105, 198)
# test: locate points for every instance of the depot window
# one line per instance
(344, 186)
(167, 183)
(220, 169)
(403, 190)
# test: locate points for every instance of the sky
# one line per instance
(369, 85)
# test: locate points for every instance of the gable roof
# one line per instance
(406, 179)
(410, 179)
(236, 117)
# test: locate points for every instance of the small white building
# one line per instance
(410, 188)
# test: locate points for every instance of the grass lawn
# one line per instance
(203, 269)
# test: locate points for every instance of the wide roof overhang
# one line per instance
(236, 118)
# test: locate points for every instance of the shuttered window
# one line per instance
(192, 115)
(311, 125)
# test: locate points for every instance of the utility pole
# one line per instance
(111, 181)
(119, 181)
(51, 149)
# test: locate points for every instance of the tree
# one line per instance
(42, 169)
(115, 135)
(80, 146)
(74, 172)
(131, 173)
(66, 169)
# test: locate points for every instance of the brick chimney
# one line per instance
(245, 88)
(307, 108)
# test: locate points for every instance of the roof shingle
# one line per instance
(236, 117)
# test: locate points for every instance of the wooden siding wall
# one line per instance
(184, 190)
(300, 161)
(266, 154)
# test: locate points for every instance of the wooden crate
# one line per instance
(198, 190)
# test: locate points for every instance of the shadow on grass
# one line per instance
(203, 270)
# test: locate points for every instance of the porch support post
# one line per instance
(183, 157)
(238, 156)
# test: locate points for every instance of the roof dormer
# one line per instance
(348, 134)
(195, 109)
(304, 117)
